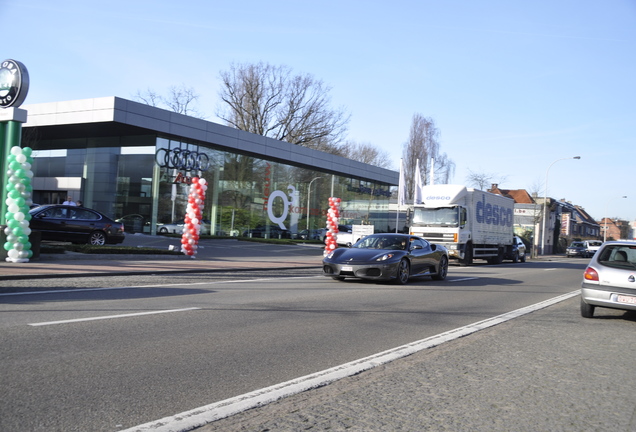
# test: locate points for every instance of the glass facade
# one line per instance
(144, 180)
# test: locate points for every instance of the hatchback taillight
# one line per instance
(590, 274)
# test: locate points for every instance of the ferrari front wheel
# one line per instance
(403, 272)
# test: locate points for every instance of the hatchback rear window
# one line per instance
(618, 256)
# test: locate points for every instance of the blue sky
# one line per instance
(512, 86)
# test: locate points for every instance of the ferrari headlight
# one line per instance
(385, 257)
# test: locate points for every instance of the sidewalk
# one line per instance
(212, 255)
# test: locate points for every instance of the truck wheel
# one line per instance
(468, 256)
(497, 259)
(523, 258)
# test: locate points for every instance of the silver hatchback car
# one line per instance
(610, 278)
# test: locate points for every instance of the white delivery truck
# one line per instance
(470, 223)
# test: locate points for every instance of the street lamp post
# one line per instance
(606, 205)
(308, 195)
(545, 202)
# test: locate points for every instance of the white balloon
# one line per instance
(14, 208)
(12, 253)
(21, 158)
(16, 150)
(19, 216)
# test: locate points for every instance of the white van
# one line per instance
(591, 246)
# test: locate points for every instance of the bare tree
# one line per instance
(483, 180)
(268, 100)
(423, 144)
(149, 97)
(180, 99)
(367, 153)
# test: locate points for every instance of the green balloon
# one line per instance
(22, 238)
(14, 194)
(8, 246)
(27, 246)
(20, 173)
(27, 151)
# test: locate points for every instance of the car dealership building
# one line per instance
(136, 162)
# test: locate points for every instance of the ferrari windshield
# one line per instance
(389, 242)
(444, 216)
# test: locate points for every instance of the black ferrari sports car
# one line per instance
(387, 257)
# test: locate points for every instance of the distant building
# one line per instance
(564, 220)
(616, 229)
(577, 223)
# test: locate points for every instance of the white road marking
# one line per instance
(111, 317)
(207, 414)
(462, 279)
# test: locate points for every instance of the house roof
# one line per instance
(520, 196)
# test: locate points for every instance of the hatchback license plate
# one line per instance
(347, 268)
(626, 299)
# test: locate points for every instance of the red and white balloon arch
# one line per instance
(192, 221)
(333, 216)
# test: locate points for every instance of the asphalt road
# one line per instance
(110, 359)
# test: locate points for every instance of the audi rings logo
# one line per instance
(181, 159)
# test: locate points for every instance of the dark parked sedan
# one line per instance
(270, 231)
(388, 257)
(76, 225)
(577, 248)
